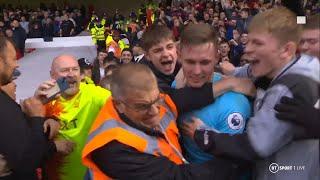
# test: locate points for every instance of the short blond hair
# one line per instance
(280, 22)
(196, 34)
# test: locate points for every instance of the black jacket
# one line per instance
(48, 30)
(35, 33)
(66, 27)
(124, 162)
(96, 77)
(164, 81)
(22, 141)
(19, 37)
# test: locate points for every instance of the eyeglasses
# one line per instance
(144, 107)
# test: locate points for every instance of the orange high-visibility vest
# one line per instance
(109, 127)
(118, 47)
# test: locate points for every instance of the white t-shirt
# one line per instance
(101, 73)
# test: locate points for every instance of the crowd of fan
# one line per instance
(44, 21)
(21, 23)
(230, 20)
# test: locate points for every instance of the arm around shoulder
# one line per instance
(120, 161)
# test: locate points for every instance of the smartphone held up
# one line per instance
(61, 86)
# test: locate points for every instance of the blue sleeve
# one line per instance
(174, 84)
(229, 34)
(235, 115)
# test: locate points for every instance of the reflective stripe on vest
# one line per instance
(152, 145)
(109, 124)
(100, 34)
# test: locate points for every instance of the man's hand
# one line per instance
(42, 91)
(64, 147)
(225, 59)
(33, 107)
(4, 170)
(241, 85)
(54, 127)
(244, 86)
(227, 68)
(233, 42)
(300, 113)
(188, 128)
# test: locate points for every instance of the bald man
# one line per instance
(75, 109)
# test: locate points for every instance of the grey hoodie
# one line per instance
(272, 139)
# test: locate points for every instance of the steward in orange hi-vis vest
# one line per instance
(109, 127)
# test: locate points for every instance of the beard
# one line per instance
(5, 79)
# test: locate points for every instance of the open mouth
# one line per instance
(167, 66)
(166, 62)
(72, 82)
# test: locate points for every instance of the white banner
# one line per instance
(75, 41)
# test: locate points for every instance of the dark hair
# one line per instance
(4, 45)
(223, 41)
(110, 57)
(244, 32)
(101, 50)
(15, 19)
(106, 80)
(127, 49)
(244, 10)
(110, 68)
(96, 66)
(154, 35)
(313, 22)
(295, 6)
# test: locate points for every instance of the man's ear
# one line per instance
(147, 56)
(51, 74)
(288, 50)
